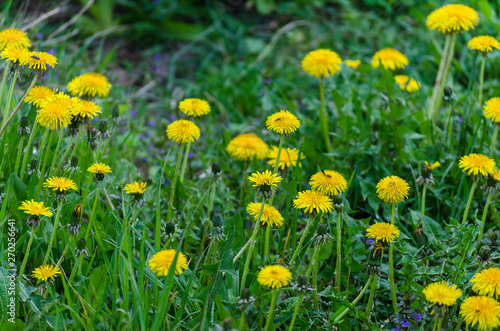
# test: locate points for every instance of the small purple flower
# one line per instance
(133, 113)
(396, 329)
(460, 120)
(405, 323)
(417, 317)
(145, 159)
(268, 81)
(157, 57)
(166, 182)
(190, 155)
(370, 241)
(52, 52)
(39, 35)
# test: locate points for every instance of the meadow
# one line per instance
(257, 165)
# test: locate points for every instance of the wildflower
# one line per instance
(13, 37)
(81, 249)
(384, 232)
(34, 210)
(492, 183)
(321, 63)
(282, 122)
(46, 272)
(245, 299)
(171, 230)
(426, 176)
(313, 201)
(483, 311)
(354, 64)
(60, 184)
(99, 170)
(441, 293)
(392, 189)
(89, 85)
(88, 110)
(301, 284)
(73, 225)
(328, 182)
(72, 167)
(183, 131)
(274, 276)
(23, 129)
(452, 18)
(321, 236)
(264, 179)
(161, 262)
(14, 54)
(38, 60)
(135, 189)
(390, 58)
(38, 95)
(487, 282)
(405, 323)
(288, 157)
(194, 107)
(270, 215)
(247, 146)
(484, 44)
(103, 130)
(57, 111)
(477, 164)
(492, 109)
(406, 83)
(417, 317)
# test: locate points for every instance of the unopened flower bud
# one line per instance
(169, 229)
(215, 168)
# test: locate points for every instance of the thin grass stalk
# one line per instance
(252, 245)
(53, 235)
(324, 117)
(174, 183)
(483, 218)
(4, 79)
(342, 311)
(422, 211)
(439, 76)
(53, 165)
(391, 267)
(19, 152)
(44, 164)
(28, 149)
(26, 254)
(493, 141)
(469, 200)
(338, 266)
(184, 162)
(270, 314)
(10, 95)
(66, 152)
(481, 80)
(301, 241)
(437, 101)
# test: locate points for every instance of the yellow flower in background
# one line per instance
(321, 63)
(483, 311)
(183, 131)
(283, 122)
(408, 86)
(247, 146)
(477, 164)
(487, 282)
(432, 166)
(46, 272)
(313, 201)
(274, 276)
(13, 37)
(452, 18)
(60, 184)
(328, 182)
(352, 63)
(483, 44)
(270, 215)
(288, 157)
(161, 262)
(57, 111)
(496, 175)
(32, 207)
(491, 109)
(392, 189)
(265, 178)
(89, 85)
(38, 60)
(38, 95)
(135, 188)
(88, 109)
(14, 54)
(383, 232)
(99, 168)
(194, 107)
(441, 293)
(390, 58)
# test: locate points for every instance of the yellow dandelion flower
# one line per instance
(13, 38)
(99, 168)
(477, 164)
(274, 276)
(265, 178)
(39, 95)
(392, 189)
(328, 182)
(88, 109)
(408, 86)
(194, 107)
(247, 146)
(321, 63)
(483, 311)
(270, 215)
(282, 122)
(161, 262)
(60, 184)
(487, 282)
(352, 63)
(383, 232)
(58, 111)
(313, 201)
(183, 131)
(32, 207)
(135, 188)
(288, 157)
(390, 58)
(39, 60)
(483, 44)
(46, 272)
(432, 166)
(89, 85)
(14, 54)
(496, 175)
(492, 109)
(452, 18)
(441, 293)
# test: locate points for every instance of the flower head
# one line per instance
(452, 18)
(46, 272)
(283, 122)
(441, 293)
(34, 208)
(321, 63)
(274, 276)
(247, 146)
(58, 111)
(38, 60)
(432, 166)
(13, 37)
(328, 182)
(313, 201)
(288, 157)
(492, 109)
(392, 189)
(161, 262)
(89, 85)
(270, 215)
(135, 188)
(194, 107)
(88, 109)
(14, 54)
(487, 282)
(477, 164)
(483, 44)
(99, 170)
(483, 311)
(39, 95)
(60, 184)
(384, 232)
(265, 178)
(390, 58)
(352, 63)
(183, 131)
(409, 86)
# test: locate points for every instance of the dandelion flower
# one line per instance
(274, 276)
(288, 157)
(313, 201)
(383, 232)
(31, 207)
(441, 293)
(58, 111)
(492, 109)
(483, 44)
(39, 95)
(265, 178)
(452, 18)
(392, 189)
(408, 86)
(14, 54)
(89, 85)
(247, 146)
(354, 64)
(88, 110)
(321, 63)
(183, 131)
(270, 215)
(328, 182)
(282, 122)
(483, 311)
(487, 282)
(13, 38)
(432, 166)
(99, 170)
(46, 272)
(477, 164)
(161, 262)
(38, 60)
(60, 184)
(194, 107)
(135, 188)
(390, 58)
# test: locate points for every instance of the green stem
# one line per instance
(493, 140)
(270, 314)
(184, 163)
(459, 268)
(449, 127)
(4, 79)
(26, 254)
(44, 163)
(266, 241)
(68, 148)
(244, 181)
(92, 213)
(481, 80)
(391, 279)
(19, 152)
(324, 117)
(424, 192)
(301, 241)
(28, 149)
(483, 218)
(315, 263)
(343, 310)
(53, 165)
(172, 190)
(445, 75)
(278, 155)
(338, 267)
(469, 201)
(242, 321)
(370, 297)
(10, 95)
(439, 76)
(53, 235)
(252, 245)
(301, 295)
(393, 213)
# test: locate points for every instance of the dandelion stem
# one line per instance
(270, 314)
(424, 193)
(26, 253)
(44, 163)
(301, 241)
(242, 321)
(184, 163)
(266, 241)
(65, 153)
(324, 117)
(439, 76)
(338, 267)
(4, 79)
(493, 141)
(10, 95)
(315, 269)
(437, 100)
(53, 235)
(301, 295)
(393, 212)
(92, 213)
(343, 310)
(28, 149)
(481, 80)
(391, 279)
(370, 297)
(278, 155)
(483, 218)
(172, 190)
(469, 201)
(53, 165)
(19, 152)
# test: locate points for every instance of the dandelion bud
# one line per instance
(103, 126)
(115, 112)
(169, 229)
(322, 235)
(91, 135)
(245, 294)
(212, 213)
(338, 202)
(322, 229)
(23, 128)
(34, 164)
(80, 244)
(375, 258)
(302, 280)
(74, 161)
(74, 222)
(33, 168)
(217, 220)
(81, 248)
(215, 168)
(217, 227)
(448, 92)
(24, 121)
(245, 299)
